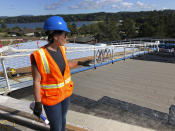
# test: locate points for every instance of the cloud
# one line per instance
(143, 5)
(52, 6)
(95, 4)
(103, 4)
(164, 8)
(98, 5)
(114, 6)
(56, 5)
(127, 4)
(140, 3)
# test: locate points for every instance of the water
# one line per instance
(40, 24)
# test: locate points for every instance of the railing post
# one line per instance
(124, 53)
(101, 55)
(148, 49)
(95, 57)
(157, 48)
(112, 54)
(133, 51)
(6, 77)
(144, 49)
(140, 47)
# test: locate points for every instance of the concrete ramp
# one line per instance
(18, 111)
(94, 123)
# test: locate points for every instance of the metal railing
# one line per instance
(99, 54)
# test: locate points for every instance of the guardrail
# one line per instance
(101, 55)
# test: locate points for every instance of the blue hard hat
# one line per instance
(55, 23)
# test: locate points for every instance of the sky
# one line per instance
(52, 7)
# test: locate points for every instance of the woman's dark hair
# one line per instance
(51, 34)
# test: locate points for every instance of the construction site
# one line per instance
(129, 86)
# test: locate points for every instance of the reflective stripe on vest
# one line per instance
(68, 80)
(52, 86)
(64, 49)
(44, 61)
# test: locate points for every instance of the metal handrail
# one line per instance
(100, 54)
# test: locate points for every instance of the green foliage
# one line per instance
(3, 26)
(73, 29)
(16, 28)
(146, 30)
(158, 24)
(105, 31)
(84, 30)
(101, 16)
(128, 29)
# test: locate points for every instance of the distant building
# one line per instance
(15, 32)
(31, 32)
(25, 32)
(86, 39)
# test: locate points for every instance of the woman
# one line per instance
(51, 74)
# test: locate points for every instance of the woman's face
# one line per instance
(60, 39)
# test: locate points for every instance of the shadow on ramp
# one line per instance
(115, 109)
(157, 57)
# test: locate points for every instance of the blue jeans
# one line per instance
(57, 115)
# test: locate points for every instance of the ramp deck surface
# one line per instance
(146, 82)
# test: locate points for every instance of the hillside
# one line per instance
(101, 16)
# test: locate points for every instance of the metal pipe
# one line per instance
(148, 50)
(144, 49)
(95, 57)
(7, 89)
(112, 54)
(101, 64)
(124, 53)
(157, 48)
(133, 51)
(101, 55)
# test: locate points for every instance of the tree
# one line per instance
(16, 28)
(170, 26)
(128, 29)
(73, 29)
(3, 27)
(108, 31)
(83, 30)
(146, 30)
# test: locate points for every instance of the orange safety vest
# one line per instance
(54, 86)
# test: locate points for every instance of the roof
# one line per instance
(28, 30)
(84, 39)
(24, 31)
(16, 31)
